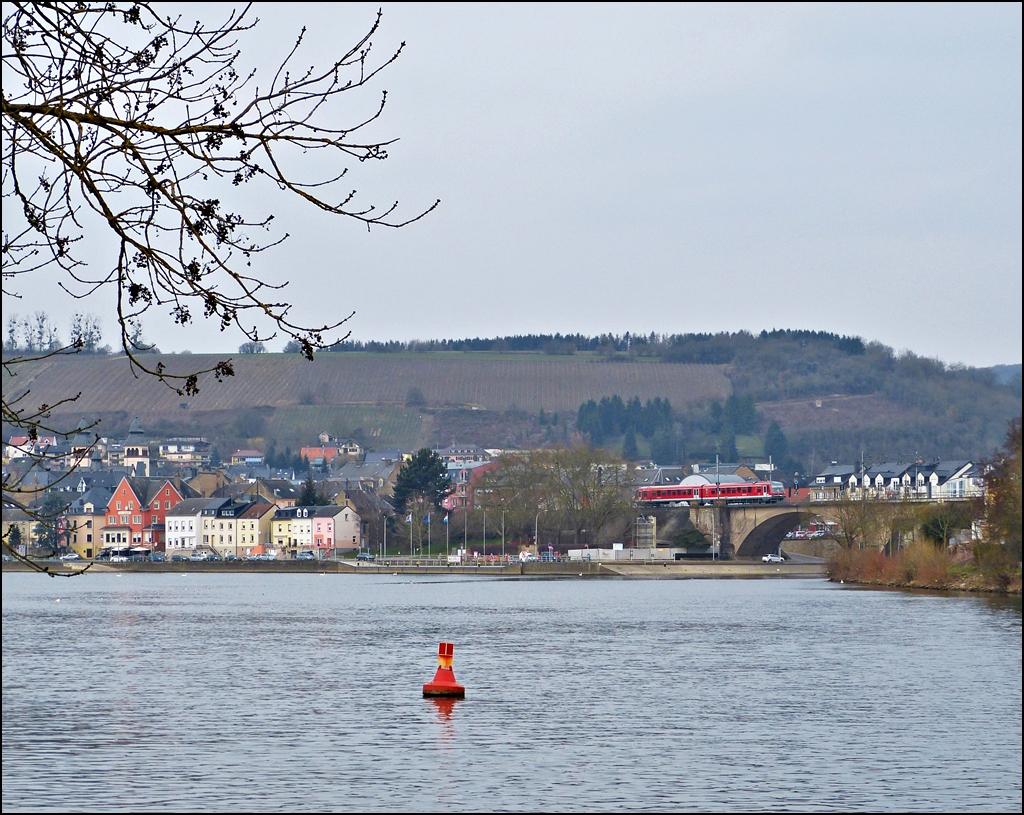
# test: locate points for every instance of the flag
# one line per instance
(427, 519)
(445, 518)
(408, 518)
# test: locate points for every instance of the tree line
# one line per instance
(37, 333)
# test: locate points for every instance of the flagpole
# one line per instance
(428, 536)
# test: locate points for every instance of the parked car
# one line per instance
(366, 556)
(231, 557)
(71, 556)
(157, 557)
(305, 556)
(178, 558)
(773, 558)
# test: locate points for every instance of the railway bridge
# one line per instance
(746, 531)
(753, 531)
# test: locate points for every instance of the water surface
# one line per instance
(303, 692)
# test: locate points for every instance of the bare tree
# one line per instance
(121, 121)
(586, 487)
(859, 521)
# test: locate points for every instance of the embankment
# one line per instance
(667, 571)
(924, 566)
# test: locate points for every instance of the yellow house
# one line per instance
(84, 519)
(23, 521)
(254, 526)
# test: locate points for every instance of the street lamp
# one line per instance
(535, 528)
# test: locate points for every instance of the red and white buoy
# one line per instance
(444, 683)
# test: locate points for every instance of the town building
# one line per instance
(462, 454)
(84, 520)
(136, 512)
(325, 531)
(182, 524)
(247, 458)
(465, 477)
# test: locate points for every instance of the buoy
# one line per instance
(444, 683)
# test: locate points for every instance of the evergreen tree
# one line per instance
(424, 476)
(629, 450)
(776, 444)
(311, 496)
(727, 446)
(665, 446)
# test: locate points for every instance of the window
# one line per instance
(136, 519)
(167, 504)
(119, 506)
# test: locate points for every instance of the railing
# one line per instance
(405, 560)
(887, 495)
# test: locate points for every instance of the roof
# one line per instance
(257, 509)
(354, 471)
(392, 454)
(888, 469)
(840, 469)
(190, 506)
(711, 478)
(97, 496)
(135, 431)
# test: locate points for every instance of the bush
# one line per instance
(995, 562)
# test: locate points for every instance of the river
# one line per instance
(283, 692)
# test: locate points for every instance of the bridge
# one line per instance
(752, 531)
(744, 531)
(740, 531)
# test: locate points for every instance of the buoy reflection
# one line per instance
(445, 707)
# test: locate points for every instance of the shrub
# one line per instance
(995, 562)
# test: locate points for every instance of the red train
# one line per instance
(747, 492)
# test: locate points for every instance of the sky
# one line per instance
(665, 168)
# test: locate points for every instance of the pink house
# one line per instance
(336, 527)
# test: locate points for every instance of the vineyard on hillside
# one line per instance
(484, 381)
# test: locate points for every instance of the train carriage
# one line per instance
(701, 490)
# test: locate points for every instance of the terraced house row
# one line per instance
(242, 529)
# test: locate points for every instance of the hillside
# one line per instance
(804, 397)
(384, 399)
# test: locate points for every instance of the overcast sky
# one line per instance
(673, 168)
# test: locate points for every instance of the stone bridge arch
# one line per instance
(750, 531)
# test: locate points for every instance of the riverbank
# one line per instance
(667, 571)
(923, 566)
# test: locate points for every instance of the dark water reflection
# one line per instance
(303, 692)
